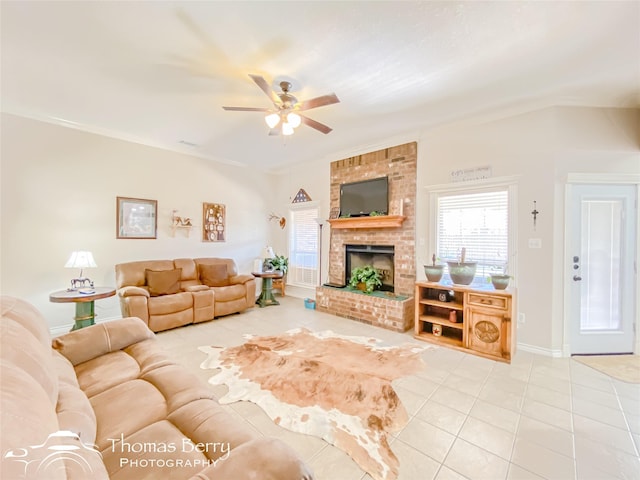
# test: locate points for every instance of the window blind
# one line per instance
(478, 222)
(303, 247)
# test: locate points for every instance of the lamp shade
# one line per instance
(294, 120)
(268, 252)
(272, 119)
(287, 129)
(81, 260)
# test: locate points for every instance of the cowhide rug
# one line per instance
(335, 387)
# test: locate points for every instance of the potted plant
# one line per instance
(500, 281)
(461, 272)
(433, 271)
(278, 262)
(368, 276)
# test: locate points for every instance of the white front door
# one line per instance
(602, 263)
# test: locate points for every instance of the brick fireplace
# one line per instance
(394, 233)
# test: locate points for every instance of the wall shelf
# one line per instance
(382, 221)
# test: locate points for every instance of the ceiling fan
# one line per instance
(285, 116)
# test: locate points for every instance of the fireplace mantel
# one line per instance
(380, 221)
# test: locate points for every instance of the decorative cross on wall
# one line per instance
(535, 213)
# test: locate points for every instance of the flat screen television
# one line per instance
(359, 199)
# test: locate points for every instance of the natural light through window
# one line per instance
(477, 222)
(303, 247)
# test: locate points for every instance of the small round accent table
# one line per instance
(85, 308)
(266, 297)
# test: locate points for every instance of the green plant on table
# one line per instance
(279, 262)
(367, 275)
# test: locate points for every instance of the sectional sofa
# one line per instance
(105, 402)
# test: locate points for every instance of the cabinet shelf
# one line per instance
(442, 340)
(438, 303)
(441, 321)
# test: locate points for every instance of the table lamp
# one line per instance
(80, 260)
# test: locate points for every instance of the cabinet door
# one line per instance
(487, 332)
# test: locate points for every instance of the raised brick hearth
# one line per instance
(399, 164)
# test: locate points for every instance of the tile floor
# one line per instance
(470, 418)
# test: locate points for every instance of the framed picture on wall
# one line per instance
(136, 218)
(213, 222)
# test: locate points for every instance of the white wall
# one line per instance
(59, 189)
(540, 148)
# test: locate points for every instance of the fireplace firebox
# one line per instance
(381, 257)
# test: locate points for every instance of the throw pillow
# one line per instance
(163, 282)
(214, 275)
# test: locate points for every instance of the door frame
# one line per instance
(596, 179)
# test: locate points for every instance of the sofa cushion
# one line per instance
(163, 282)
(214, 275)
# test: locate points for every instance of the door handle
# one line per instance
(577, 278)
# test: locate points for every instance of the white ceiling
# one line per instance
(159, 72)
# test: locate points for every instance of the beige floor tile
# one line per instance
(332, 463)
(596, 411)
(546, 435)
(417, 385)
(548, 414)
(424, 437)
(549, 397)
(495, 415)
(541, 461)
(602, 433)
(532, 399)
(488, 437)
(552, 383)
(606, 399)
(592, 455)
(476, 463)
(519, 473)
(453, 399)
(414, 465)
(411, 401)
(441, 416)
(446, 473)
(463, 384)
(502, 398)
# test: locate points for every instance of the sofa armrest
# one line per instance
(197, 288)
(91, 342)
(242, 278)
(264, 458)
(132, 291)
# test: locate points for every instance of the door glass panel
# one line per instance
(601, 267)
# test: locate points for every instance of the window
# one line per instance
(303, 247)
(477, 221)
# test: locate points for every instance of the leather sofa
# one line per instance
(106, 402)
(197, 291)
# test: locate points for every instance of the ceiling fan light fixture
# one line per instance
(287, 129)
(272, 119)
(294, 119)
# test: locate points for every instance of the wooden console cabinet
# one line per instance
(473, 320)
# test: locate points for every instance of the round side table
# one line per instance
(85, 307)
(266, 297)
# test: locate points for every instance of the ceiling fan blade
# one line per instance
(246, 109)
(319, 102)
(321, 127)
(274, 132)
(264, 86)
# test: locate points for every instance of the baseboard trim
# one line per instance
(66, 328)
(547, 352)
